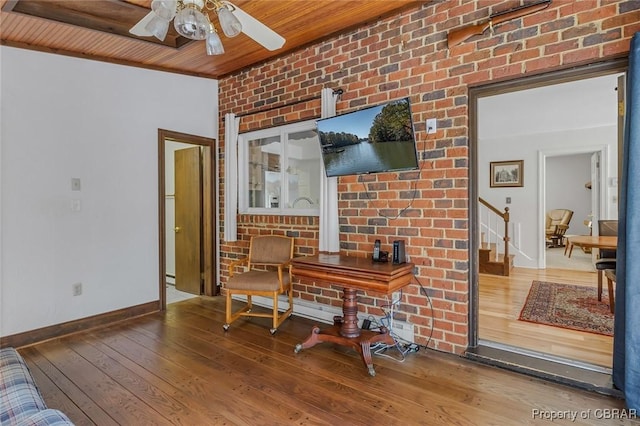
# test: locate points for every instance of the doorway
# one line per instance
(186, 164)
(533, 120)
(571, 179)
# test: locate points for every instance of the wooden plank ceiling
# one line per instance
(99, 29)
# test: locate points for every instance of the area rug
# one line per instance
(568, 306)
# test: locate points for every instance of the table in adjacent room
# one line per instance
(589, 241)
(353, 274)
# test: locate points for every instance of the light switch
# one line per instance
(75, 184)
(432, 125)
(508, 200)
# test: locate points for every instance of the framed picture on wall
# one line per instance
(506, 173)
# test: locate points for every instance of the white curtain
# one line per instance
(232, 126)
(329, 229)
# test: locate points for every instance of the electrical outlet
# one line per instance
(77, 289)
(432, 125)
(396, 296)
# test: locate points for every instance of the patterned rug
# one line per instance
(568, 306)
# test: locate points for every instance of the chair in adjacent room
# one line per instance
(606, 258)
(556, 225)
(265, 272)
(611, 278)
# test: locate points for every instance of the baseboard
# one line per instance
(83, 324)
(301, 308)
(325, 313)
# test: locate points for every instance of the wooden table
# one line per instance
(589, 241)
(353, 273)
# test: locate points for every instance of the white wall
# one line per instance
(565, 189)
(524, 215)
(66, 118)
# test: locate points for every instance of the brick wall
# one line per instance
(407, 55)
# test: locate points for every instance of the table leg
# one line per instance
(361, 344)
(349, 326)
(345, 332)
(570, 245)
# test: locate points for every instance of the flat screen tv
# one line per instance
(370, 140)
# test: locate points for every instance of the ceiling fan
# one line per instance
(191, 20)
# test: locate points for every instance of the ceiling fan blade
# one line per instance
(139, 28)
(257, 30)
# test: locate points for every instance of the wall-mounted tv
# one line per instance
(370, 140)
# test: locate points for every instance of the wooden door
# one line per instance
(188, 220)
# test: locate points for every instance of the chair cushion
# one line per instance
(273, 249)
(557, 222)
(603, 264)
(257, 281)
(558, 217)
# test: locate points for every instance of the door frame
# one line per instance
(210, 226)
(496, 88)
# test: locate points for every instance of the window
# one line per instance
(280, 170)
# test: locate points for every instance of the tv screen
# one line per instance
(370, 140)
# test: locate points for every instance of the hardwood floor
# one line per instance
(502, 298)
(179, 367)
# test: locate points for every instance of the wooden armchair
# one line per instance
(556, 224)
(272, 254)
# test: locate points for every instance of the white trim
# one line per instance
(302, 308)
(285, 154)
(325, 314)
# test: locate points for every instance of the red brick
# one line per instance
(437, 80)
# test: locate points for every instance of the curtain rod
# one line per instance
(270, 108)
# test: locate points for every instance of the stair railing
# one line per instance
(492, 230)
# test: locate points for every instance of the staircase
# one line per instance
(494, 257)
(494, 263)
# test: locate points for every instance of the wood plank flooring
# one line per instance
(502, 298)
(179, 367)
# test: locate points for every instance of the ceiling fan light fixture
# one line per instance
(165, 9)
(231, 27)
(213, 42)
(158, 27)
(190, 22)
